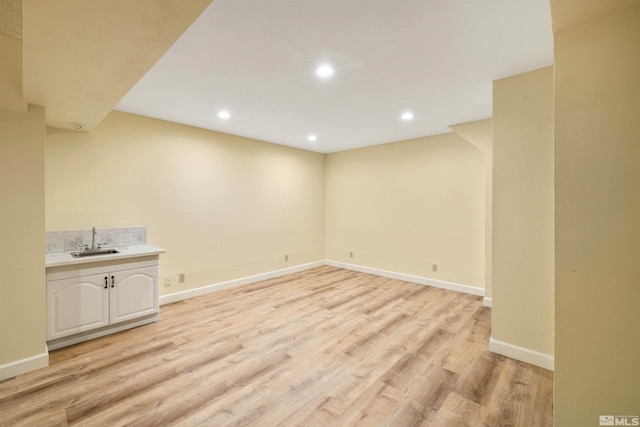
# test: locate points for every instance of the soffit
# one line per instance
(11, 18)
(569, 13)
(82, 56)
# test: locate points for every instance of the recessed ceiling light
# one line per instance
(407, 116)
(224, 115)
(312, 138)
(324, 71)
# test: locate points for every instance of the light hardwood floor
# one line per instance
(325, 347)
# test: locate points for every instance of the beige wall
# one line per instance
(22, 279)
(11, 75)
(404, 206)
(523, 249)
(597, 179)
(223, 207)
(480, 134)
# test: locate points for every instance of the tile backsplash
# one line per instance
(71, 240)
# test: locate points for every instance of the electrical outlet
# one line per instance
(286, 257)
(181, 277)
(434, 267)
(350, 254)
(167, 281)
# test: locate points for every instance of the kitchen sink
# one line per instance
(94, 252)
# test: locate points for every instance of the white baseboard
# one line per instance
(521, 353)
(25, 365)
(409, 278)
(203, 290)
(487, 302)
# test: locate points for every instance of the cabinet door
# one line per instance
(134, 293)
(76, 305)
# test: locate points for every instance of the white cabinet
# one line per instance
(76, 305)
(102, 298)
(133, 293)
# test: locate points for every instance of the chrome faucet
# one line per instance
(93, 240)
(93, 246)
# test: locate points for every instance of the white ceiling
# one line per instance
(256, 59)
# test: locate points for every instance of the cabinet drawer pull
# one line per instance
(106, 282)
(113, 281)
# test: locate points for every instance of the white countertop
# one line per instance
(65, 258)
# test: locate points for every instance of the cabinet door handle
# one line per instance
(106, 282)
(113, 281)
